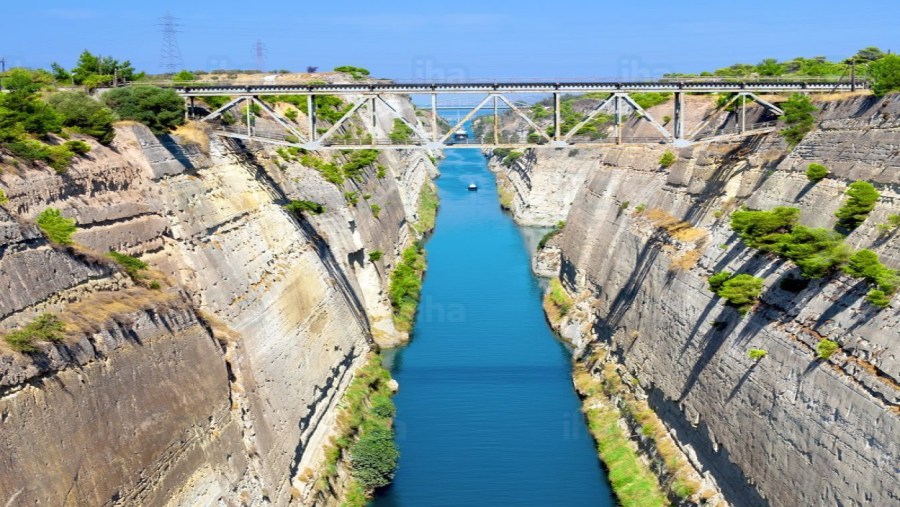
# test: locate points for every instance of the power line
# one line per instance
(170, 54)
(260, 49)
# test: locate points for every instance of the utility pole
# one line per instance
(170, 53)
(853, 74)
(260, 49)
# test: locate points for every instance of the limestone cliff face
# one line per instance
(220, 386)
(789, 429)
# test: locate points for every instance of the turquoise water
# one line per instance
(486, 413)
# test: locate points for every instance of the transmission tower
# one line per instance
(170, 54)
(260, 49)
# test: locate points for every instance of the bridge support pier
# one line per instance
(311, 114)
(618, 128)
(556, 117)
(678, 128)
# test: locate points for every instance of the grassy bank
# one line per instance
(607, 401)
(406, 286)
(632, 481)
(365, 437)
(428, 206)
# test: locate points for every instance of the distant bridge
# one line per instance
(367, 97)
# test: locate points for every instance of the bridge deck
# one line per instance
(469, 88)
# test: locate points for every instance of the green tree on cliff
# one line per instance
(798, 116)
(885, 74)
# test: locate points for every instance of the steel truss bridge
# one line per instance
(487, 98)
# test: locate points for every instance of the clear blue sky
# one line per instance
(452, 38)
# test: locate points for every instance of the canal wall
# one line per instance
(214, 375)
(639, 243)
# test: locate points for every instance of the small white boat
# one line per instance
(473, 187)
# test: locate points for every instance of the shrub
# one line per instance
(885, 74)
(814, 250)
(376, 210)
(132, 266)
(878, 298)
(816, 172)
(401, 133)
(77, 147)
(291, 114)
(160, 109)
(865, 264)
(299, 206)
(861, 198)
(893, 223)
(757, 354)
(826, 348)
(715, 281)
(559, 296)
(405, 287)
(47, 327)
(640, 208)
(428, 207)
(376, 255)
(352, 198)
(624, 206)
(3, 198)
(763, 229)
(667, 159)
(356, 72)
(547, 237)
(184, 76)
(373, 459)
(83, 114)
(57, 228)
(798, 115)
(329, 171)
(511, 157)
(741, 291)
(380, 171)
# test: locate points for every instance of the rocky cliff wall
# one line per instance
(789, 429)
(221, 385)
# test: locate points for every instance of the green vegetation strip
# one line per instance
(428, 207)
(47, 327)
(366, 436)
(633, 483)
(406, 286)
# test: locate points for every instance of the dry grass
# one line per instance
(686, 261)
(96, 311)
(830, 97)
(221, 331)
(195, 133)
(677, 229)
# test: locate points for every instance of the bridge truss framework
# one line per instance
(367, 97)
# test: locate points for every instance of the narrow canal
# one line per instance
(486, 413)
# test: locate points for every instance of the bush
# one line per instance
(547, 237)
(57, 228)
(373, 459)
(401, 133)
(798, 115)
(865, 264)
(376, 255)
(715, 281)
(816, 172)
(763, 229)
(405, 287)
(757, 354)
(826, 348)
(878, 298)
(667, 159)
(559, 297)
(3, 198)
(132, 266)
(376, 210)
(893, 223)
(47, 327)
(160, 109)
(741, 291)
(305, 207)
(77, 147)
(885, 74)
(85, 115)
(356, 72)
(860, 202)
(814, 250)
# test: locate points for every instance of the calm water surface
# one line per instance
(486, 413)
